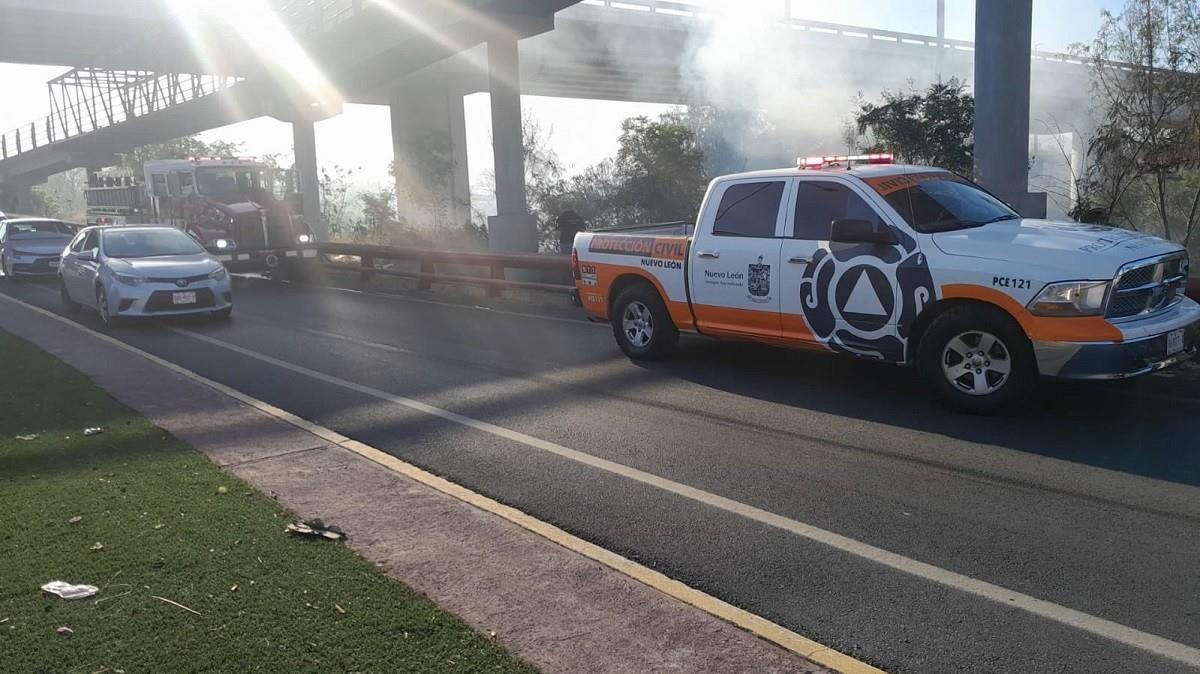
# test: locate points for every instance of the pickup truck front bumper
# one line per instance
(1150, 345)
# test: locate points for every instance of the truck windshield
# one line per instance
(149, 243)
(940, 202)
(219, 180)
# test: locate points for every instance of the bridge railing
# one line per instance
(484, 270)
(84, 100)
(678, 9)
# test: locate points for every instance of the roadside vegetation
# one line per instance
(194, 568)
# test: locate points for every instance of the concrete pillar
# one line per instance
(429, 142)
(16, 198)
(512, 229)
(304, 142)
(941, 38)
(1003, 37)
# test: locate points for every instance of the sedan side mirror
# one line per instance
(853, 230)
(87, 256)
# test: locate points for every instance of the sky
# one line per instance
(582, 132)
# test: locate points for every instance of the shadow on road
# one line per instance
(1147, 426)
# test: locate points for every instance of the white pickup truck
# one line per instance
(906, 264)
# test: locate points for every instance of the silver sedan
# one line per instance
(126, 272)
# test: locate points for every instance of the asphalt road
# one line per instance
(733, 466)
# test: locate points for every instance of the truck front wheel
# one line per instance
(640, 322)
(977, 359)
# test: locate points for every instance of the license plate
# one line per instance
(183, 298)
(54, 264)
(1174, 342)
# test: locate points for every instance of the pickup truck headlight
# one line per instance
(224, 244)
(1074, 298)
(303, 239)
(218, 274)
(128, 280)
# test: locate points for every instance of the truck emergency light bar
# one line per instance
(844, 159)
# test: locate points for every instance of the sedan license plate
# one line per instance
(183, 298)
(53, 264)
(1174, 342)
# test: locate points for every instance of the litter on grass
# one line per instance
(68, 591)
(75, 520)
(65, 631)
(31, 436)
(94, 430)
(315, 529)
(97, 546)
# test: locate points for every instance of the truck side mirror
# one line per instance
(853, 230)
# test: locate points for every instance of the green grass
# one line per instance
(267, 601)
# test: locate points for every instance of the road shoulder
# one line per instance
(553, 607)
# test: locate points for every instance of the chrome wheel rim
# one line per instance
(976, 363)
(638, 324)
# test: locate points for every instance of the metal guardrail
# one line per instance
(496, 264)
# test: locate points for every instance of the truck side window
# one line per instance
(159, 183)
(185, 184)
(749, 209)
(820, 202)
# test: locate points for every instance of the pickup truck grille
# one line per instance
(1148, 286)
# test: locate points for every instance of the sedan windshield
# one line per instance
(939, 202)
(38, 229)
(149, 243)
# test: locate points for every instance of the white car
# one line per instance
(126, 272)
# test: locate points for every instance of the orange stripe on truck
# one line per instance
(595, 298)
(1039, 328)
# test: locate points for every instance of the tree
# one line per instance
(179, 148)
(334, 186)
(1144, 159)
(378, 211)
(934, 127)
(660, 168)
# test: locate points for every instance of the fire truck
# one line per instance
(240, 209)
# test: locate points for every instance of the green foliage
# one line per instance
(336, 201)
(1144, 158)
(934, 127)
(728, 137)
(657, 175)
(179, 148)
(45, 203)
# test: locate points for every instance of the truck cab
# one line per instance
(239, 209)
(904, 264)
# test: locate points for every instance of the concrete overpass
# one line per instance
(421, 59)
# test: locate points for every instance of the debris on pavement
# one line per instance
(68, 591)
(175, 603)
(75, 520)
(65, 631)
(31, 436)
(94, 430)
(315, 529)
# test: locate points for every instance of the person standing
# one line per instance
(569, 224)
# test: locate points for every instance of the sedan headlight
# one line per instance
(1074, 298)
(128, 280)
(218, 274)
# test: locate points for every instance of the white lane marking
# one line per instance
(1000, 595)
(331, 335)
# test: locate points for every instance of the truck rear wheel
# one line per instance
(641, 324)
(977, 359)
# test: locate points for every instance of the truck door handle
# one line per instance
(705, 253)
(799, 260)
